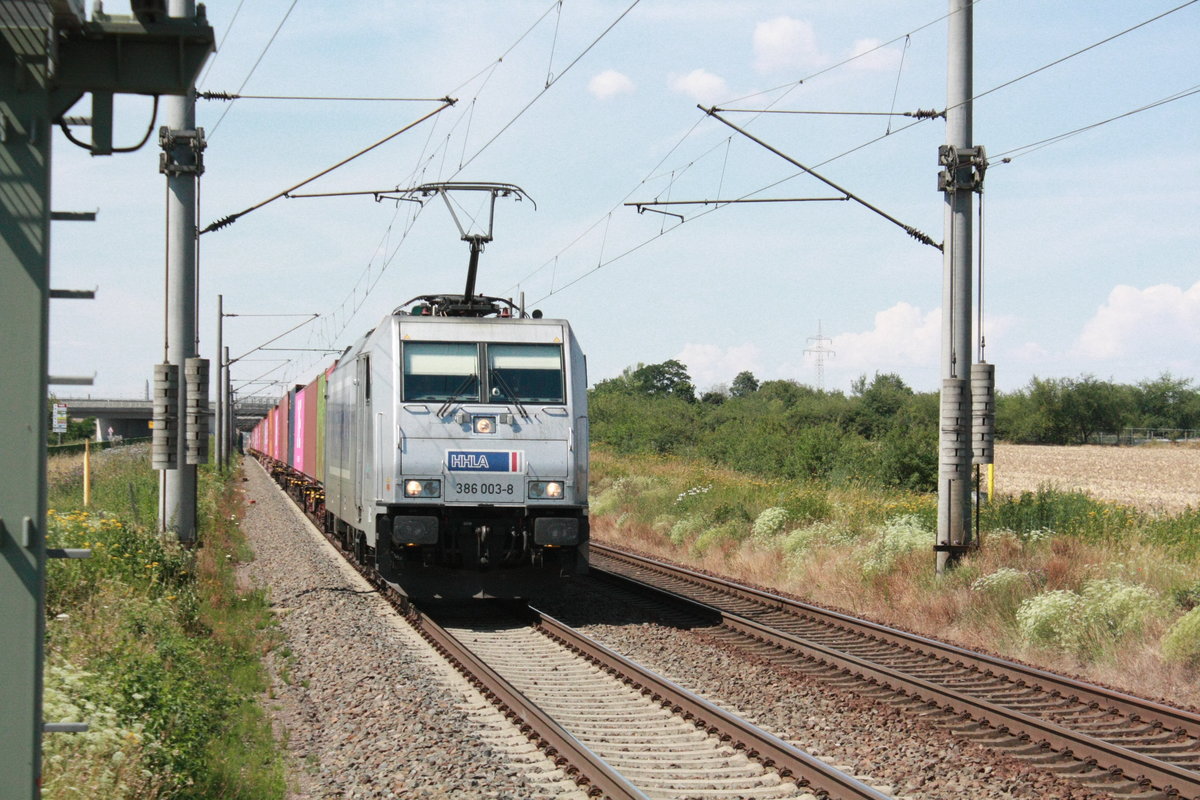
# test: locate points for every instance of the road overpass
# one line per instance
(131, 418)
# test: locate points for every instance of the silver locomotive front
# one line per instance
(475, 434)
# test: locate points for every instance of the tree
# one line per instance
(879, 402)
(1092, 406)
(1167, 402)
(668, 378)
(744, 384)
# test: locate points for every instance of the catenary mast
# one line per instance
(963, 165)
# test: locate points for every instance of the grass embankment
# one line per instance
(1062, 579)
(153, 645)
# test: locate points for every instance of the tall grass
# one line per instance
(153, 645)
(1062, 579)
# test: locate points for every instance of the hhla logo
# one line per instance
(484, 461)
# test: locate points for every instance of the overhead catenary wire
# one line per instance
(221, 45)
(899, 73)
(793, 84)
(788, 87)
(549, 84)
(1007, 156)
(1076, 53)
(918, 116)
(257, 61)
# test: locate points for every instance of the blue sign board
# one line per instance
(484, 460)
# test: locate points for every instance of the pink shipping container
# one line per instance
(307, 434)
(281, 430)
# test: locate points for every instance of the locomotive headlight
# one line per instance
(485, 424)
(415, 488)
(545, 490)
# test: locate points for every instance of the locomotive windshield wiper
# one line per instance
(462, 387)
(495, 374)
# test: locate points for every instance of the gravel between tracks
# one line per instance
(876, 742)
(367, 709)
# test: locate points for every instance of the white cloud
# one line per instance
(870, 57)
(1160, 322)
(710, 364)
(610, 83)
(903, 336)
(785, 43)
(701, 85)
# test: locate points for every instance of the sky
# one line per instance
(1090, 243)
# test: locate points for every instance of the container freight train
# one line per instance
(448, 447)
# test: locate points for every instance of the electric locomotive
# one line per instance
(456, 449)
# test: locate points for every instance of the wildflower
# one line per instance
(770, 523)
(1003, 579)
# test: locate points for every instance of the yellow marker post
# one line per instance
(87, 473)
(991, 481)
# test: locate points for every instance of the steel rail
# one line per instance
(757, 744)
(1137, 708)
(558, 743)
(1137, 766)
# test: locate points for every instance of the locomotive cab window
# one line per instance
(525, 373)
(441, 371)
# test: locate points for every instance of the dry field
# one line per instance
(1155, 478)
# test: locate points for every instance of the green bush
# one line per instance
(1050, 618)
(1180, 532)
(811, 505)
(1115, 608)
(897, 538)
(1181, 642)
(720, 533)
(687, 527)
(1032, 514)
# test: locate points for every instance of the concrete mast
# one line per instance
(182, 163)
(957, 181)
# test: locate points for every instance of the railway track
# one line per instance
(662, 739)
(1110, 741)
(614, 727)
